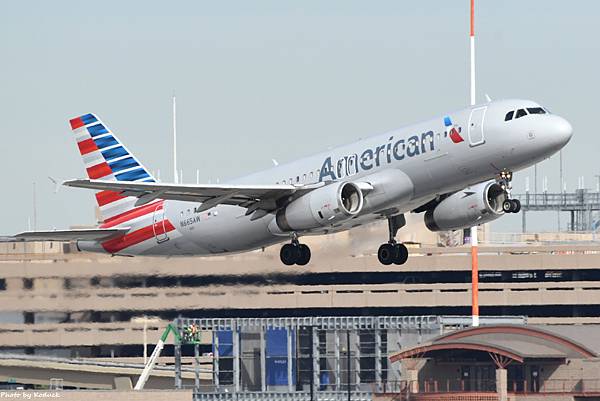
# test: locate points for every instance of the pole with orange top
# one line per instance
(474, 243)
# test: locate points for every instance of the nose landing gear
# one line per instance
(509, 205)
(295, 253)
(392, 251)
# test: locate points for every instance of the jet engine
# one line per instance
(323, 206)
(472, 206)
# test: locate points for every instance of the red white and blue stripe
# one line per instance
(106, 158)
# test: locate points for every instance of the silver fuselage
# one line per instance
(430, 161)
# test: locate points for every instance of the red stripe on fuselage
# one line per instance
(87, 146)
(118, 244)
(106, 197)
(132, 214)
(99, 171)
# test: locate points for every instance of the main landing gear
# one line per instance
(393, 252)
(295, 253)
(509, 205)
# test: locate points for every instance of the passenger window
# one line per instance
(297, 178)
(509, 115)
(536, 110)
(521, 113)
(312, 175)
(304, 178)
(283, 182)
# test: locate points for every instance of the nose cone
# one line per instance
(562, 131)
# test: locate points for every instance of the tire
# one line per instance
(303, 255)
(507, 206)
(517, 206)
(288, 254)
(400, 254)
(386, 254)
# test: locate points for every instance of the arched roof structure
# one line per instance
(508, 342)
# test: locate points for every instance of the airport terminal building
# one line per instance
(344, 325)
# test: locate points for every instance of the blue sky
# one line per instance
(257, 80)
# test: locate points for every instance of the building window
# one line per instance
(27, 283)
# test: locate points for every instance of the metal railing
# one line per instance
(541, 386)
(573, 386)
(286, 396)
(573, 200)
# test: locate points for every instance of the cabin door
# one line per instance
(158, 224)
(476, 137)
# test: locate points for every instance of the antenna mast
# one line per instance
(34, 208)
(175, 178)
(472, 39)
(474, 241)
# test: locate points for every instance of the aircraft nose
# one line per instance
(564, 130)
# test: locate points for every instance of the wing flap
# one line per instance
(92, 234)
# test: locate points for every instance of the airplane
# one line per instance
(455, 168)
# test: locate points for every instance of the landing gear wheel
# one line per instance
(400, 254)
(288, 254)
(517, 206)
(295, 253)
(303, 255)
(511, 206)
(386, 254)
(393, 252)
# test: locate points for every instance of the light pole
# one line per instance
(145, 320)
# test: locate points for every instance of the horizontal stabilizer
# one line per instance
(92, 234)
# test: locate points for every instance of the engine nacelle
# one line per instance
(322, 207)
(472, 206)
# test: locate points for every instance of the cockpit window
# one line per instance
(520, 113)
(509, 115)
(536, 110)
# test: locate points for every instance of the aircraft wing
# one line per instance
(92, 234)
(252, 197)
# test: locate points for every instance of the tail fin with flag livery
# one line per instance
(106, 158)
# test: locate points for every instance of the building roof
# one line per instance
(516, 343)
